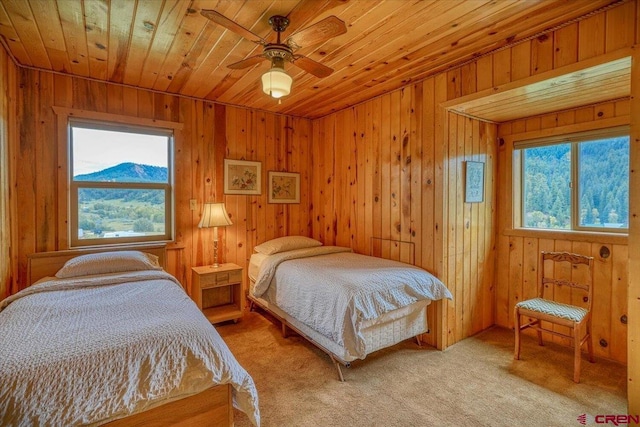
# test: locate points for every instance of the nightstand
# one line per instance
(218, 291)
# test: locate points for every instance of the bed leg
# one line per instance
(250, 305)
(284, 329)
(338, 367)
(418, 340)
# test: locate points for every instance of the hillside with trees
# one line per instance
(603, 185)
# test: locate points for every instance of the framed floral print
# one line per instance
(242, 177)
(284, 187)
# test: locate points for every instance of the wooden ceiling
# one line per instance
(168, 46)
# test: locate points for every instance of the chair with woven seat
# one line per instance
(541, 309)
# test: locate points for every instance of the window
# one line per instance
(120, 183)
(573, 182)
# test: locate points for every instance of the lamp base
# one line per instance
(215, 248)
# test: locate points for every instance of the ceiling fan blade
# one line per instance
(329, 27)
(232, 26)
(311, 66)
(246, 63)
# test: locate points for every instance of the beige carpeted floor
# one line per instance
(473, 383)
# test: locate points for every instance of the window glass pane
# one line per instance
(116, 213)
(547, 192)
(603, 172)
(112, 156)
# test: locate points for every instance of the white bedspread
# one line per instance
(333, 291)
(90, 350)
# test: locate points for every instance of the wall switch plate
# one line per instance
(193, 204)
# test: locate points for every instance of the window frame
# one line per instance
(574, 139)
(67, 211)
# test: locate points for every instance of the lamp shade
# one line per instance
(276, 83)
(214, 215)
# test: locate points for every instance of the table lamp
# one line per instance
(214, 215)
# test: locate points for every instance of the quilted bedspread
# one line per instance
(334, 291)
(90, 350)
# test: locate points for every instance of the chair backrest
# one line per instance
(585, 282)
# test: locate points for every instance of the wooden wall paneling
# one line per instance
(466, 251)
(46, 165)
(601, 299)
(633, 292)
(351, 136)
(234, 127)
(416, 166)
(252, 201)
(370, 176)
(620, 274)
(239, 228)
(579, 274)
(591, 36)
(63, 97)
(501, 67)
(395, 172)
(375, 141)
(441, 212)
(620, 26)
(454, 308)
(426, 188)
(459, 256)
(404, 158)
(201, 173)
(27, 195)
(565, 46)
(541, 54)
(521, 60)
(261, 219)
(185, 219)
(269, 164)
(386, 158)
(487, 220)
(361, 202)
(484, 73)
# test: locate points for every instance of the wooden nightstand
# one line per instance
(218, 291)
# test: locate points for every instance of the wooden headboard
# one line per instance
(43, 264)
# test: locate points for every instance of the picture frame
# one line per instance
(474, 182)
(284, 187)
(242, 177)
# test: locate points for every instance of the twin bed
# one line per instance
(106, 336)
(348, 305)
(114, 339)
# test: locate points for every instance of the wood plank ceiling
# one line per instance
(168, 46)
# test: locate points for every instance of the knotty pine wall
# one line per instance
(8, 89)
(211, 132)
(392, 169)
(516, 257)
(518, 274)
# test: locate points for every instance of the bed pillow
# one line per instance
(108, 262)
(287, 243)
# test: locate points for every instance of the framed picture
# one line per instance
(284, 187)
(242, 177)
(474, 182)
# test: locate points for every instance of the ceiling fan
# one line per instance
(276, 82)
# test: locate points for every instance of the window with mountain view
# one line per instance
(120, 188)
(578, 182)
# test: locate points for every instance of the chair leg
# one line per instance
(539, 324)
(577, 339)
(516, 353)
(590, 341)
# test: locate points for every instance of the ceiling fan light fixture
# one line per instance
(276, 83)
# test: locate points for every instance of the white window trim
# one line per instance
(574, 138)
(112, 121)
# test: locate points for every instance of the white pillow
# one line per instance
(108, 262)
(287, 243)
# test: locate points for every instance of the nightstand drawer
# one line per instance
(220, 279)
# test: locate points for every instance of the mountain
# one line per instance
(127, 172)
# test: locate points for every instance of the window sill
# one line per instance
(576, 236)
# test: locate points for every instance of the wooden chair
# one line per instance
(541, 309)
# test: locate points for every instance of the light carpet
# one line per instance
(476, 382)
